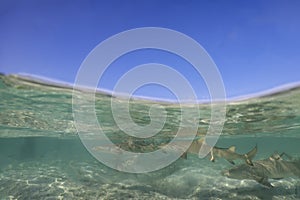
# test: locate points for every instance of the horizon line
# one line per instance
(63, 84)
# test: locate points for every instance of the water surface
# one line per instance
(42, 157)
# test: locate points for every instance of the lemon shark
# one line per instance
(227, 153)
(274, 167)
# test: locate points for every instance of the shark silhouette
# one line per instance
(274, 167)
(227, 153)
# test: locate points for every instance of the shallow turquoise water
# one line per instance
(42, 157)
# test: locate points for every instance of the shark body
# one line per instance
(227, 153)
(273, 167)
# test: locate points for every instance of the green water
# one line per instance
(42, 157)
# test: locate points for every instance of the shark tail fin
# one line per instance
(250, 155)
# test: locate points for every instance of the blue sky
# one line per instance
(255, 44)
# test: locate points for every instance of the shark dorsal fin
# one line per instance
(232, 149)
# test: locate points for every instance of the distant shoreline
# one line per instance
(35, 79)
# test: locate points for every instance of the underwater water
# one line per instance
(42, 156)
